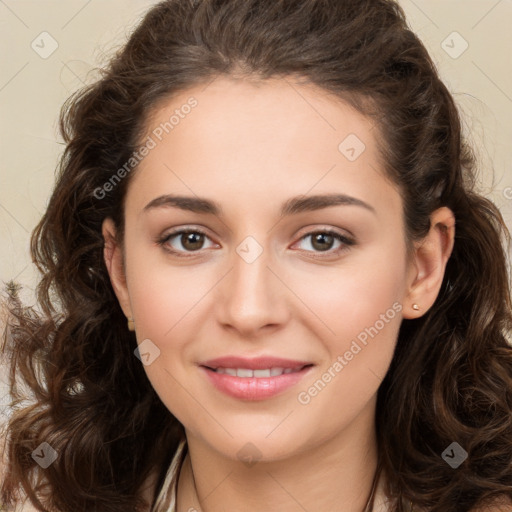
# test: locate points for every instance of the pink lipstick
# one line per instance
(254, 379)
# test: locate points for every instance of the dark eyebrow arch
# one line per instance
(292, 206)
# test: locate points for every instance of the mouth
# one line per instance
(260, 373)
(254, 384)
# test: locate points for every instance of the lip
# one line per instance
(254, 388)
(256, 363)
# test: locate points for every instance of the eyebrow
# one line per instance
(292, 206)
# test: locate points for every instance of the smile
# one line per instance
(266, 372)
(260, 384)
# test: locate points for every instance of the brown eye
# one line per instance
(322, 241)
(183, 241)
(192, 241)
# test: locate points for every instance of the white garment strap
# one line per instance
(166, 500)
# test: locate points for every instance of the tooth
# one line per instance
(244, 372)
(262, 373)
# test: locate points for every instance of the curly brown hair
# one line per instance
(451, 375)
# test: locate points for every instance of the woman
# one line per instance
(268, 283)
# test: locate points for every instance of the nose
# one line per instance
(252, 297)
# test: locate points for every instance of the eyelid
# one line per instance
(319, 228)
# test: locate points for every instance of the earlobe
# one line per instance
(431, 255)
(112, 254)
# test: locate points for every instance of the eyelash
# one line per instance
(346, 241)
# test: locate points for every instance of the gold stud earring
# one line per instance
(131, 324)
(415, 307)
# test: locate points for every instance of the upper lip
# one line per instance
(257, 363)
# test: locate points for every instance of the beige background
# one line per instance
(32, 89)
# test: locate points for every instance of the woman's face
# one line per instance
(266, 279)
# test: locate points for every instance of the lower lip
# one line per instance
(254, 388)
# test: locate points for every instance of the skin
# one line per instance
(250, 147)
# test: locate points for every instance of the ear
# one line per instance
(429, 263)
(113, 255)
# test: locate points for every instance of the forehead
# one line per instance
(259, 140)
(277, 112)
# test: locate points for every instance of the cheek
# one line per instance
(357, 316)
(364, 289)
(163, 294)
(359, 328)
(167, 304)
(365, 322)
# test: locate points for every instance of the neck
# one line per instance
(332, 474)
